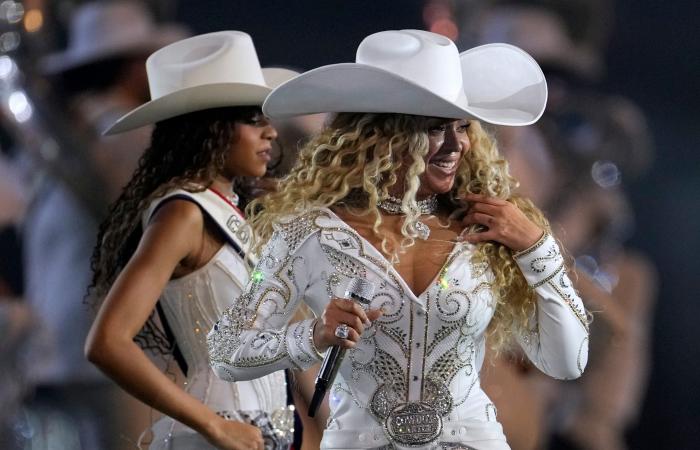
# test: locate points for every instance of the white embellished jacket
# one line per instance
(413, 378)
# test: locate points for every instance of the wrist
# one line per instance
(211, 426)
(316, 343)
(536, 239)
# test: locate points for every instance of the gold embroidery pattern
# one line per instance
(481, 287)
(440, 336)
(540, 242)
(385, 369)
(466, 396)
(396, 334)
(454, 306)
(347, 265)
(226, 338)
(343, 263)
(274, 354)
(491, 410)
(338, 387)
(298, 229)
(332, 282)
(539, 265)
(580, 315)
(479, 269)
(569, 300)
(302, 335)
(552, 275)
(579, 364)
(451, 362)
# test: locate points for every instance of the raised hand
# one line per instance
(505, 223)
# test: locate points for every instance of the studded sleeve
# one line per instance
(253, 337)
(557, 339)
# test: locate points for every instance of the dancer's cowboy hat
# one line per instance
(207, 71)
(421, 73)
(102, 30)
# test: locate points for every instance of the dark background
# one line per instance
(652, 58)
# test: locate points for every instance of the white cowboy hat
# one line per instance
(421, 73)
(207, 71)
(103, 30)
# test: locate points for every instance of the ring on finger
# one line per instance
(342, 331)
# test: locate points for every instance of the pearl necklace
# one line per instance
(392, 205)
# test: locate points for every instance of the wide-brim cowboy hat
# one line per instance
(208, 71)
(104, 30)
(420, 73)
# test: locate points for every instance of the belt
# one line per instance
(462, 435)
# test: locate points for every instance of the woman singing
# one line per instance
(406, 190)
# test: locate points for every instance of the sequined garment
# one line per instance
(413, 379)
(191, 305)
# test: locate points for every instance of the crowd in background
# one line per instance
(574, 164)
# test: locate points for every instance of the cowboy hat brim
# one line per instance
(503, 86)
(198, 98)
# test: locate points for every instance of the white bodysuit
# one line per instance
(413, 379)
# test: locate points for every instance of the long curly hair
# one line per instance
(362, 155)
(186, 152)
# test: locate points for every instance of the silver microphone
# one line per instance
(361, 291)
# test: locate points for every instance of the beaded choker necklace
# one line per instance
(392, 205)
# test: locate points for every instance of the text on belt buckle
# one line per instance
(413, 424)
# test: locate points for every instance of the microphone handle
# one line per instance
(326, 375)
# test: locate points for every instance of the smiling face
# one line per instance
(447, 143)
(251, 149)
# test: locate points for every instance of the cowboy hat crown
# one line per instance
(207, 71)
(421, 73)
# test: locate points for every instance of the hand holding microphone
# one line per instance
(342, 323)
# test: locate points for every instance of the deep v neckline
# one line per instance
(367, 244)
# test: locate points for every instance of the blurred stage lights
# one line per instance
(606, 174)
(8, 68)
(11, 11)
(438, 18)
(19, 105)
(9, 41)
(33, 20)
(445, 27)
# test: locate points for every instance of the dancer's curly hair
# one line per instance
(186, 152)
(363, 153)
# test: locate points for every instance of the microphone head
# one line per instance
(361, 290)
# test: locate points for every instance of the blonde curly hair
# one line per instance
(361, 154)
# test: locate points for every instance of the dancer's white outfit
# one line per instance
(191, 305)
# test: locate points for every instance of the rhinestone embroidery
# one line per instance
(450, 344)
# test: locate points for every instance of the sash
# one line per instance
(228, 218)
